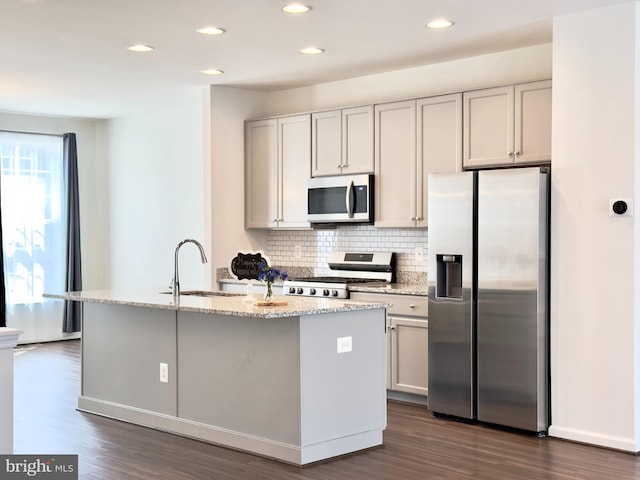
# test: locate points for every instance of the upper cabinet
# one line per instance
(401, 142)
(342, 142)
(277, 166)
(413, 139)
(507, 125)
(396, 168)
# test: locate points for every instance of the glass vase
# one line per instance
(268, 293)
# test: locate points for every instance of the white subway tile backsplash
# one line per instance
(316, 245)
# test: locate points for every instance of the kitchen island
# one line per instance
(299, 383)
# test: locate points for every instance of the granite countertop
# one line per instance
(222, 305)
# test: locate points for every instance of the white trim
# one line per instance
(295, 454)
(594, 438)
(9, 337)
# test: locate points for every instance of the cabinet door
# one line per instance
(357, 140)
(488, 127)
(533, 122)
(326, 143)
(294, 151)
(409, 355)
(395, 153)
(439, 144)
(261, 184)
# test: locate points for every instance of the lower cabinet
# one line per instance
(407, 341)
(408, 355)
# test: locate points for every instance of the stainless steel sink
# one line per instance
(205, 293)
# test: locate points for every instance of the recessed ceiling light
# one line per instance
(439, 23)
(296, 8)
(311, 51)
(140, 48)
(210, 31)
(212, 71)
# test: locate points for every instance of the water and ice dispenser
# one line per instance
(449, 276)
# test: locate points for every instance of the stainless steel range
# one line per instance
(347, 268)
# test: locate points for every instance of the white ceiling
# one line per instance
(69, 57)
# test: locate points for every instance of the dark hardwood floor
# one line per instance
(417, 446)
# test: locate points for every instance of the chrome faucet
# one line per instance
(176, 280)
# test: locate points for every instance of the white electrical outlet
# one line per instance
(419, 252)
(164, 372)
(345, 344)
(297, 251)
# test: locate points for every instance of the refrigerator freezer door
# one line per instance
(511, 325)
(450, 294)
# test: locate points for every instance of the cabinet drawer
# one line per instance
(403, 305)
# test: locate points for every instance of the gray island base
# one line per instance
(300, 383)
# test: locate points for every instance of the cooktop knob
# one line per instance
(299, 291)
(334, 293)
(312, 291)
(325, 292)
(292, 290)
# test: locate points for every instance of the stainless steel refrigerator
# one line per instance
(488, 296)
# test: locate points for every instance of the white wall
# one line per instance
(229, 108)
(594, 299)
(157, 162)
(502, 68)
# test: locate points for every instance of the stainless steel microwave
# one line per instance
(340, 199)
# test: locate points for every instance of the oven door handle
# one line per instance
(350, 199)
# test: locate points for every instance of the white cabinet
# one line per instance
(439, 144)
(413, 139)
(342, 141)
(395, 156)
(277, 162)
(508, 125)
(407, 341)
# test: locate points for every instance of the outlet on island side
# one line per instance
(164, 373)
(345, 344)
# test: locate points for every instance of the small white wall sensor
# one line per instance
(621, 207)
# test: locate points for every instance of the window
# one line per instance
(33, 217)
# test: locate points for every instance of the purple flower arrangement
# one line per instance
(270, 275)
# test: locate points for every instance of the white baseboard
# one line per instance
(594, 438)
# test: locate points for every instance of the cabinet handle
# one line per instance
(392, 327)
(418, 218)
(413, 218)
(516, 154)
(411, 305)
(510, 154)
(338, 166)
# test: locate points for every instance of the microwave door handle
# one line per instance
(350, 200)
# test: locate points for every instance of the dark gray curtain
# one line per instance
(3, 298)
(71, 322)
